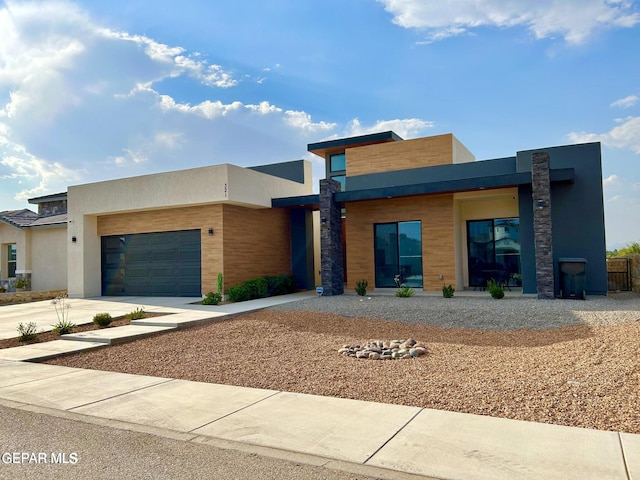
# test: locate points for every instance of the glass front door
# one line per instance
(494, 251)
(398, 251)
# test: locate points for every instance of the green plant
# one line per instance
(27, 331)
(102, 319)
(137, 314)
(249, 290)
(21, 282)
(447, 291)
(212, 298)
(220, 283)
(405, 291)
(361, 287)
(3, 289)
(495, 290)
(63, 327)
(279, 285)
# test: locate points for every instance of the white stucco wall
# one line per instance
(49, 259)
(8, 235)
(461, 154)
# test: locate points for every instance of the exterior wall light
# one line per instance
(74, 239)
(210, 231)
(540, 204)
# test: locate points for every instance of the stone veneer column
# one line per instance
(543, 237)
(332, 272)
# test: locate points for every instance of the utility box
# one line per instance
(573, 277)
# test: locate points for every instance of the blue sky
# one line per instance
(94, 90)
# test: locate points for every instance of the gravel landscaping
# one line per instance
(566, 362)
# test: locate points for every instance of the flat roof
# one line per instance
(330, 146)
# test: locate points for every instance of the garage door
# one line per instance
(152, 264)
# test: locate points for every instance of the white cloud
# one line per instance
(625, 135)
(574, 20)
(610, 180)
(302, 120)
(626, 102)
(406, 128)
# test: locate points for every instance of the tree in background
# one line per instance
(631, 249)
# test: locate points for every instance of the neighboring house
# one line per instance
(425, 210)
(33, 245)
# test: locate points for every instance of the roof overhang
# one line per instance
(322, 149)
(304, 201)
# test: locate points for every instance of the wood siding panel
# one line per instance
(174, 219)
(256, 243)
(386, 157)
(438, 253)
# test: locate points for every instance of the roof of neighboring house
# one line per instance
(48, 198)
(18, 218)
(25, 218)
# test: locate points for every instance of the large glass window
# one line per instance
(398, 251)
(341, 179)
(11, 260)
(494, 251)
(337, 162)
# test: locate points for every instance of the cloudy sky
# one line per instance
(93, 90)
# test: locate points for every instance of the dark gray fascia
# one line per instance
(304, 201)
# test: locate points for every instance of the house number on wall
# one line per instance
(225, 190)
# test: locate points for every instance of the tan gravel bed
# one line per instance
(579, 375)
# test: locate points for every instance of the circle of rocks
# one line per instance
(380, 350)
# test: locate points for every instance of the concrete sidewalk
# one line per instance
(379, 440)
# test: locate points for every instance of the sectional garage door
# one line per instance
(152, 264)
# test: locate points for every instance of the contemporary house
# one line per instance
(425, 211)
(422, 211)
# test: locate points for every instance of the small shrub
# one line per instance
(279, 285)
(102, 319)
(361, 287)
(495, 290)
(405, 292)
(212, 298)
(27, 332)
(21, 282)
(249, 290)
(447, 291)
(220, 283)
(63, 327)
(137, 314)
(3, 289)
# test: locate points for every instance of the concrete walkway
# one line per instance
(379, 440)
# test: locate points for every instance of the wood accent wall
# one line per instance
(256, 243)
(246, 242)
(386, 157)
(173, 219)
(438, 250)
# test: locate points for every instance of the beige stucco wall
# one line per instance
(479, 205)
(8, 235)
(164, 192)
(461, 154)
(49, 259)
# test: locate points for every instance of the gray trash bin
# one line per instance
(573, 277)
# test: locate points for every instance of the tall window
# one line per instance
(398, 251)
(494, 251)
(11, 260)
(337, 168)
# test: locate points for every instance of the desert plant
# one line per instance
(220, 283)
(495, 290)
(405, 291)
(447, 291)
(361, 287)
(212, 298)
(21, 282)
(102, 319)
(3, 289)
(27, 331)
(137, 314)
(63, 327)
